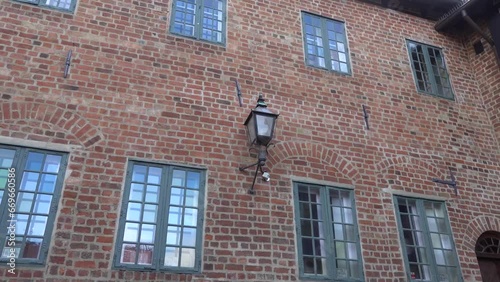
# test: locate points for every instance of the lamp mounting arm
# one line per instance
(259, 164)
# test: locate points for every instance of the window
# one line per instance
(325, 43)
(32, 179)
(64, 5)
(161, 218)
(427, 241)
(327, 234)
(200, 19)
(429, 70)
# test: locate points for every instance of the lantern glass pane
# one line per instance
(265, 125)
(251, 130)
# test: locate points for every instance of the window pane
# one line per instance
(21, 224)
(32, 248)
(189, 237)
(47, 183)
(149, 214)
(306, 228)
(131, 232)
(139, 173)
(147, 233)
(171, 256)
(154, 176)
(177, 196)
(129, 252)
(151, 194)
(136, 191)
(52, 163)
(308, 265)
(173, 235)
(134, 211)
(6, 160)
(342, 269)
(24, 202)
(340, 250)
(193, 180)
(187, 257)
(190, 217)
(6, 157)
(7, 249)
(34, 161)
(178, 178)
(191, 198)
(42, 204)
(145, 254)
(29, 181)
(174, 215)
(37, 225)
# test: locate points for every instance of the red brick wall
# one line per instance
(486, 68)
(135, 91)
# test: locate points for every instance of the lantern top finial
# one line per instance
(261, 102)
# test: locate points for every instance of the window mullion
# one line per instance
(356, 230)
(326, 45)
(428, 240)
(329, 240)
(430, 71)
(298, 228)
(162, 223)
(30, 218)
(402, 238)
(198, 27)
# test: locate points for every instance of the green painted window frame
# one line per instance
(331, 43)
(38, 206)
(429, 70)
(428, 223)
(43, 3)
(341, 213)
(165, 204)
(199, 21)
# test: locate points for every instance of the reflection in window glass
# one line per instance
(325, 43)
(429, 69)
(38, 185)
(426, 239)
(200, 19)
(161, 226)
(329, 245)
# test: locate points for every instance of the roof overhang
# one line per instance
(465, 11)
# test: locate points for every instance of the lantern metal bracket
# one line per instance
(452, 182)
(261, 161)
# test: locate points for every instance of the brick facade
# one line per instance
(135, 91)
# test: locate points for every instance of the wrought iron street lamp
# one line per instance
(260, 125)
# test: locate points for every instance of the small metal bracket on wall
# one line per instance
(68, 63)
(452, 182)
(238, 92)
(365, 115)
